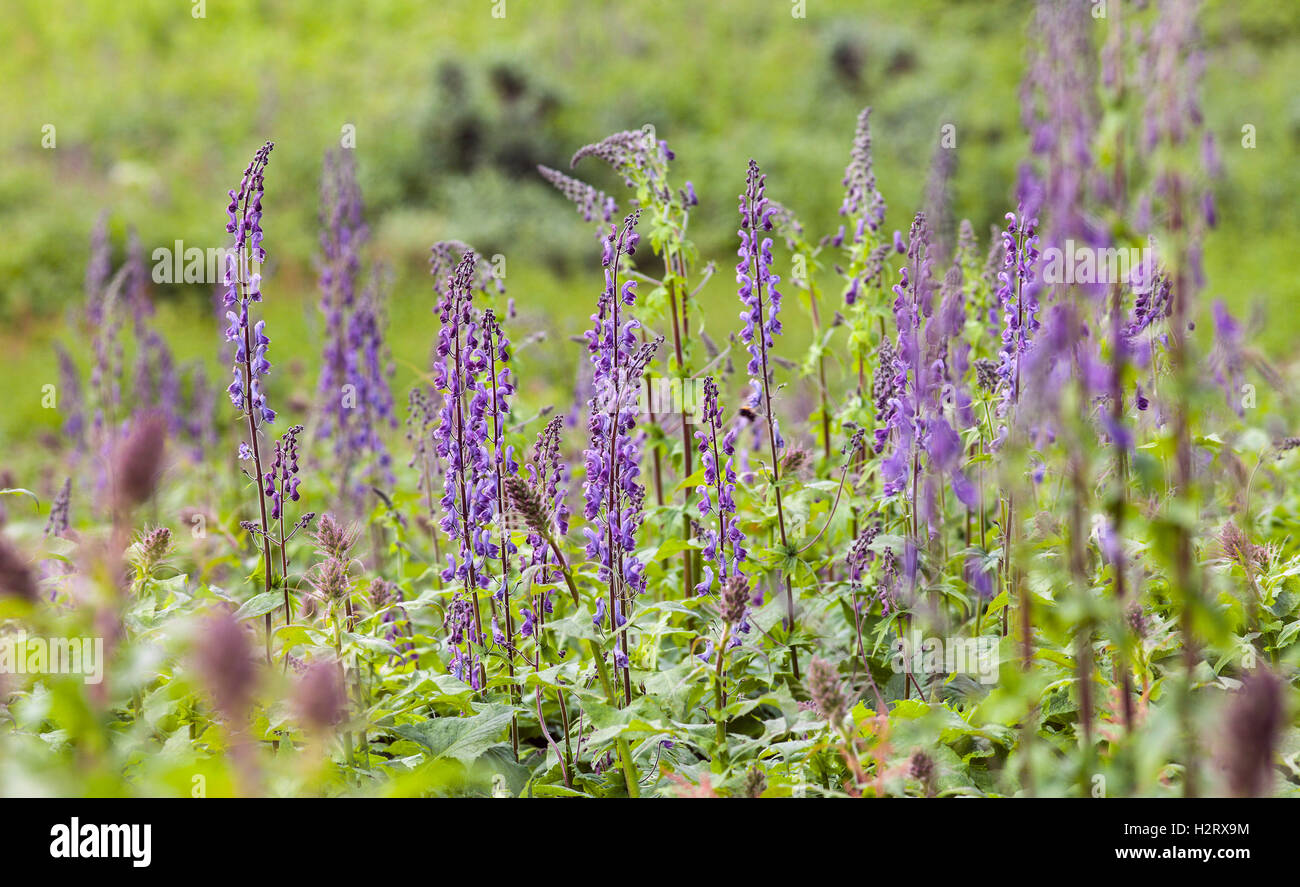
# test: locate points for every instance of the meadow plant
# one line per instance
(1024, 530)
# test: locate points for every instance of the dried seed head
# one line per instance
(755, 783)
(1253, 722)
(823, 684)
(225, 662)
(152, 548)
(333, 540)
(330, 579)
(1235, 545)
(528, 503)
(794, 459)
(734, 599)
(138, 462)
(921, 767)
(381, 593)
(1137, 619)
(16, 578)
(319, 697)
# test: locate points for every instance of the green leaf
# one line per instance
(691, 482)
(18, 491)
(260, 605)
(463, 739)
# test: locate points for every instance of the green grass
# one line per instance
(156, 114)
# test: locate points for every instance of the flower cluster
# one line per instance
(718, 495)
(386, 598)
(469, 498)
(343, 232)
(613, 491)
(758, 293)
(634, 154)
(243, 286)
(1017, 294)
(282, 480)
(331, 576)
(592, 204)
(926, 397)
(862, 200)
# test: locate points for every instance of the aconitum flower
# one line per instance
(1228, 360)
(862, 200)
(281, 481)
(243, 282)
(859, 560)
(461, 624)
(469, 499)
(57, 523)
(157, 384)
(613, 491)
(387, 598)
(634, 154)
(493, 393)
(361, 441)
(199, 418)
(926, 393)
(1060, 112)
(343, 232)
(98, 269)
(718, 495)
(1151, 305)
(104, 320)
(592, 204)
(758, 293)
(1017, 294)
(465, 370)
(71, 399)
(445, 255)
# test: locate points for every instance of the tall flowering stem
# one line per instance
(718, 495)
(243, 284)
(1185, 205)
(281, 484)
(642, 159)
(1016, 293)
(460, 441)
(863, 210)
(613, 492)
(498, 387)
(355, 400)
(762, 301)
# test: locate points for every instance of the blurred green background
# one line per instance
(156, 112)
